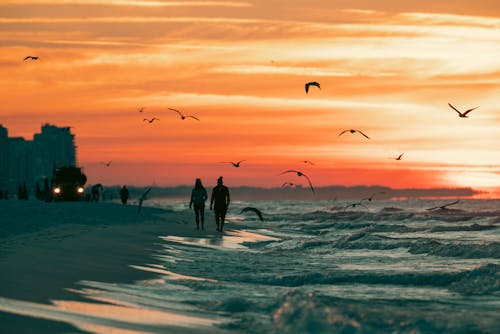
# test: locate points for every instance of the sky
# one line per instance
(386, 68)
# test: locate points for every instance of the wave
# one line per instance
(307, 312)
(457, 249)
(473, 227)
(481, 281)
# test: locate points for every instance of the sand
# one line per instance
(47, 248)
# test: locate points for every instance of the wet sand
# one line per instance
(47, 248)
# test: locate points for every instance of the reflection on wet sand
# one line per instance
(154, 268)
(229, 240)
(107, 318)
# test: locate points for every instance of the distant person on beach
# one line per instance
(220, 202)
(96, 189)
(22, 192)
(198, 198)
(124, 194)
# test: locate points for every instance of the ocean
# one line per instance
(329, 267)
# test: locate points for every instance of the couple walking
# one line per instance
(219, 202)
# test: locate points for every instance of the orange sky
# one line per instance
(388, 69)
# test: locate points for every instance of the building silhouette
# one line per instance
(32, 161)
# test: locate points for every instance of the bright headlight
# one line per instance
(57, 190)
(80, 190)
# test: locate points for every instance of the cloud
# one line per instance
(134, 3)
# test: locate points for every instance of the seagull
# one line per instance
(151, 120)
(257, 211)
(142, 198)
(235, 164)
(31, 57)
(308, 162)
(353, 205)
(142, 109)
(369, 199)
(106, 163)
(353, 131)
(182, 116)
(299, 173)
(312, 83)
(443, 207)
(460, 114)
(399, 156)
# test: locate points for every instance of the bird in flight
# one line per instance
(399, 156)
(353, 131)
(353, 205)
(369, 199)
(462, 114)
(151, 120)
(308, 162)
(299, 173)
(31, 57)
(183, 117)
(288, 184)
(142, 198)
(255, 210)
(443, 207)
(235, 164)
(312, 83)
(142, 109)
(106, 163)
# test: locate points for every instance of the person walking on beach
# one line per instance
(124, 194)
(219, 202)
(198, 198)
(95, 192)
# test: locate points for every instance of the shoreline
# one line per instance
(47, 248)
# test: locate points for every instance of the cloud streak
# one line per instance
(132, 3)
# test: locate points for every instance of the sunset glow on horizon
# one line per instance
(387, 69)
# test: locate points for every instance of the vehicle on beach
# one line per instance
(68, 184)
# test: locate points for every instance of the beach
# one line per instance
(47, 248)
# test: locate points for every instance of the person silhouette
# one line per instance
(95, 192)
(124, 194)
(220, 202)
(198, 198)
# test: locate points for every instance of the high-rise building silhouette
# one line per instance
(31, 161)
(54, 147)
(4, 157)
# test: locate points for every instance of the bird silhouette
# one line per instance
(443, 207)
(106, 163)
(151, 120)
(288, 184)
(308, 162)
(353, 131)
(142, 199)
(255, 210)
(235, 164)
(353, 205)
(312, 83)
(31, 57)
(299, 173)
(142, 109)
(399, 156)
(462, 114)
(369, 199)
(183, 117)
